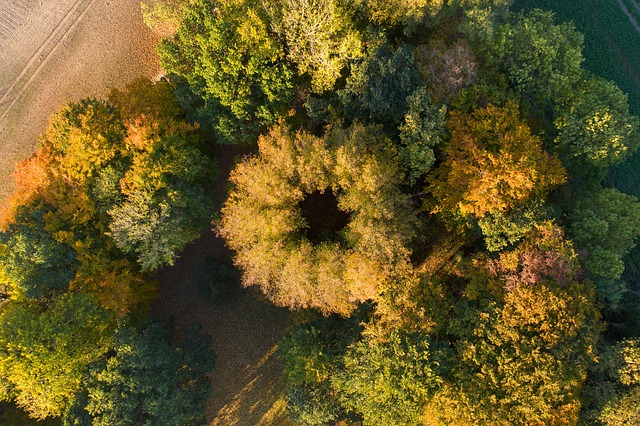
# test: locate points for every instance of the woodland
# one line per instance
(426, 189)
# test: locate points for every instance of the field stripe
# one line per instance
(40, 57)
(626, 11)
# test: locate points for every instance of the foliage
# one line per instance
(225, 53)
(540, 59)
(319, 36)
(262, 221)
(310, 351)
(422, 129)
(446, 68)
(501, 230)
(388, 382)
(35, 264)
(493, 164)
(163, 16)
(612, 391)
(595, 129)
(606, 224)
(148, 381)
(534, 347)
(46, 349)
(377, 89)
(409, 14)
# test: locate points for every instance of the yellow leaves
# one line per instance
(262, 219)
(493, 164)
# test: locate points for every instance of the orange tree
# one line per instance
(277, 213)
(493, 164)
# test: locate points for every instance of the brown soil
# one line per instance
(247, 379)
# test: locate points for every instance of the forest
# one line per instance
(426, 187)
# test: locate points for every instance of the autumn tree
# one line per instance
(227, 56)
(350, 176)
(46, 349)
(163, 16)
(408, 14)
(493, 164)
(319, 35)
(520, 361)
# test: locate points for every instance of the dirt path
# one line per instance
(247, 379)
(57, 51)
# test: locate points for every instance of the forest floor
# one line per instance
(56, 51)
(247, 378)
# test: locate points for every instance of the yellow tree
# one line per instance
(493, 164)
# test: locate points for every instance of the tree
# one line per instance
(446, 68)
(353, 175)
(406, 13)
(147, 381)
(225, 53)
(540, 59)
(522, 361)
(46, 349)
(377, 89)
(319, 36)
(606, 224)
(595, 129)
(421, 131)
(163, 16)
(389, 382)
(493, 164)
(35, 264)
(612, 392)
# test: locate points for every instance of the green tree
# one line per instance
(377, 89)
(606, 224)
(421, 130)
(319, 36)
(225, 53)
(595, 129)
(388, 382)
(147, 381)
(541, 60)
(34, 263)
(46, 349)
(612, 393)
